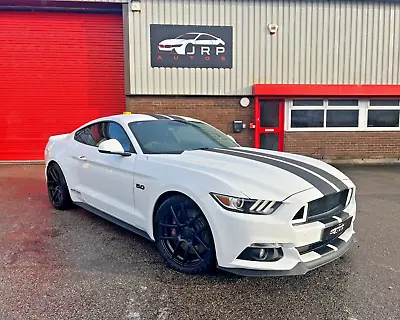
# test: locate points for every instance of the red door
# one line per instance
(269, 124)
(58, 70)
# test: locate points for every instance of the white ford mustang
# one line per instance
(202, 198)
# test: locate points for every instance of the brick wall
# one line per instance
(344, 145)
(218, 111)
(221, 111)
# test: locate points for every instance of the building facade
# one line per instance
(320, 78)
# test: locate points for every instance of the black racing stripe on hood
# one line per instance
(331, 178)
(177, 118)
(159, 116)
(324, 187)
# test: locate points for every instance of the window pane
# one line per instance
(115, 131)
(169, 136)
(308, 103)
(84, 136)
(383, 118)
(384, 103)
(340, 103)
(307, 118)
(91, 135)
(269, 113)
(269, 141)
(342, 118)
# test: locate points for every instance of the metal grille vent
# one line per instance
(327, 203)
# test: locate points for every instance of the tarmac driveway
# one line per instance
(74, 265)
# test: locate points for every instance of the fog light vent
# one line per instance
(261, 254)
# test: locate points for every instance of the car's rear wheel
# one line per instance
(57, 188)
(183, 236)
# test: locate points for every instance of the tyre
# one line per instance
(189, 48)
(183, 236)
(57, 188)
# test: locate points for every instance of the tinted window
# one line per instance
(91, 135)
(307, 118)
(269, 141)
(115, 131)
(342, 118)
(340, 103)
(204, 37)
(383, 118)
(269, 113)
(308, 103)
(95, 134)
(384, 103)
(168, 136)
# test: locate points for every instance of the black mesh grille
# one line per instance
(327, 203)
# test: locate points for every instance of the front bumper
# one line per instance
(234, 232)
(301, 267)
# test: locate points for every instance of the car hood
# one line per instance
(253, 171)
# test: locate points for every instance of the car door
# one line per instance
(107, 180)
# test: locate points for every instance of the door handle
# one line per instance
(83, 158)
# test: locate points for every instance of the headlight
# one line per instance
(244, 205)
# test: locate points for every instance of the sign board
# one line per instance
(191, 46)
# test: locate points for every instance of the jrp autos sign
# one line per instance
(190, 46)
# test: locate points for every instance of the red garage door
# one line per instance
(57, 71)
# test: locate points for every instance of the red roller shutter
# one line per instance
(57, 71)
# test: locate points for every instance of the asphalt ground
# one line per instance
(75, 265)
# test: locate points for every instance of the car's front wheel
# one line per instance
(57, 188)
(183, 236)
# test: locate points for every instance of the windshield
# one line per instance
(188, 36)
(171, 136)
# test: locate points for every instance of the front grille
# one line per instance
(327, 203)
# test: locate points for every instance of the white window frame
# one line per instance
(363, 107)
(369, 107)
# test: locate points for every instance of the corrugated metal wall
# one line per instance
(329, 42)
(111, 1)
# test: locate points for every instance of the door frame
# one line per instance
(259, 130)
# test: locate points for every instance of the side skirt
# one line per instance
(112, 219)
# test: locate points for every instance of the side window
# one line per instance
(91, 135)
(115, 131)
(96, 133)
(205, 37)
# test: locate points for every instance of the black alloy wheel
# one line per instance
(183, 236)
(57, 188)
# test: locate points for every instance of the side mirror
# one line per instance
(112, 146)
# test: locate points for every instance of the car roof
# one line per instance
(135, 117)
(127, 118)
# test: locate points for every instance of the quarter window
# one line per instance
(90, 135)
